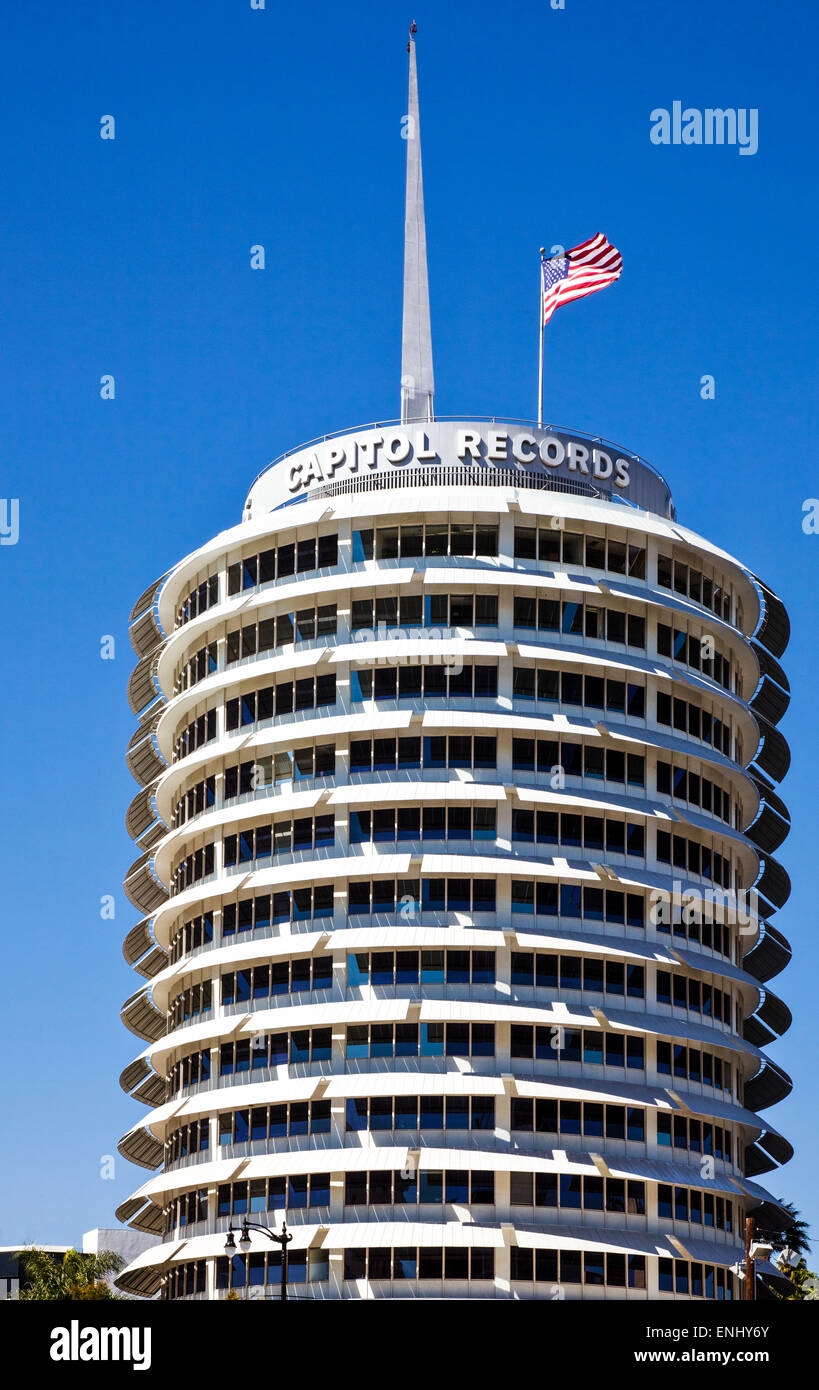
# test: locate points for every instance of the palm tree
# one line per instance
(77, 1276)
(786, 1231)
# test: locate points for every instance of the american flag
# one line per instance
(588, 267)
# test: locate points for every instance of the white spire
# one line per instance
(417, 386)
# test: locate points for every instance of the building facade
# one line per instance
(457, 824)
(457, 761)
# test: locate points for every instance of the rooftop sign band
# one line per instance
(532, 451)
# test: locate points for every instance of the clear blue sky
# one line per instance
(131, 257)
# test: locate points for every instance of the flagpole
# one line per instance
(540, 361)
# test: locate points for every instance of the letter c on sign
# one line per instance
(524, 448)
(295, 477)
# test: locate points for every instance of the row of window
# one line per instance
(302, 904)
(186, 1279)
(191, 935)
(530, 969)
(700, 1208)
(282, 837)
(693, 1064)
(273, 1194)
(423, 611)
(265, 634)
(387, 1114)
(203, 663)
(676, 781)
(200, 731)
(546, 970)
(319, 760)
(574, 1191)
(462, 751)
(430, 682)
(561, 758)
(408, 896)
(692, 719)
(550, 545)
(557, 1267)
(194, 867)
(188, 1071)
(260, 843)
(420, 967)
(370, 1040)
(590, 1118)
(593, 1120)
(375, 1114)
(576, 901)
(595, 1047)
(274, 909)
(437, 538)
(298, 1118)
(693, 994)
(384, 895)
(576, 1267)
(302, 975)
(692, 583)
(186, 1209)
(264, 1267)
(192, 1002)
(437, 682)
(699, 930)
(253, 639)
(695, 1279)
(577, 618)
(397, 823)
(198, 798)
(592, 1046)
(275, 1050)
(695, 858)
(187, 1139)
(697, 652)
(198, 600)
(313, 760)
(556, 546)
(281, 561)
(684, 1132)
(598, 1047)
(592, 833)
(367, 896)
(603, 834)
(411, 1187)
(311, 1266)
(256, 706)
(545, 684)
(475, 1262)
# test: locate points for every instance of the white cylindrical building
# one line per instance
(457, 762)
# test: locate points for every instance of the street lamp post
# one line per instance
(282, 1240)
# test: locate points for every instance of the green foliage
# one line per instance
(789, 1231)
(805, 1285)
(77, 1276)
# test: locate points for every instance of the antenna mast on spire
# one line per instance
(417, 385)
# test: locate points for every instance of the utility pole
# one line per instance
(750, 1272)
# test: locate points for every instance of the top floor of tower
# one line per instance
(460, 453)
